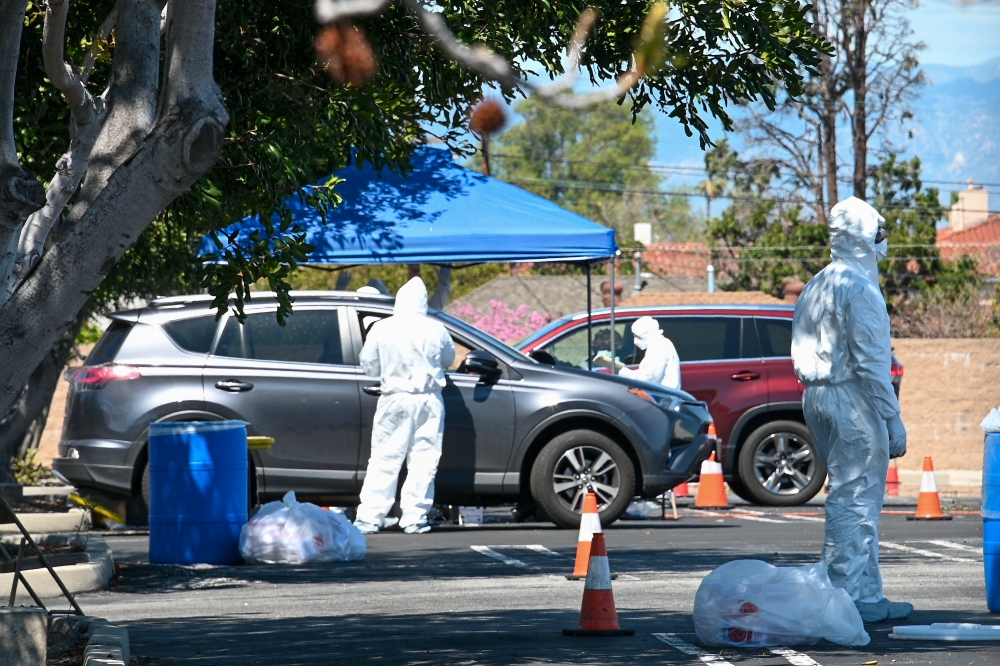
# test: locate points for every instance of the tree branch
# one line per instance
(87, 118)
(20, 193)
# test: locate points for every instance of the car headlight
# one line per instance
(658, 399)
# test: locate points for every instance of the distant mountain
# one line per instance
(956, 130)
(957, 124)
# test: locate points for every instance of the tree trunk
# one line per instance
(858, 74)
(22, 426)
(828, 125)
(122, 196)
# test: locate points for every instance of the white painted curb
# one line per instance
(108, 646)
(84, 577)
(74, 520)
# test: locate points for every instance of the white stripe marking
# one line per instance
(489, 552)
(692, 650)
(793, 657)
(539, 548)
(598, 573)
(925, 553)
(813, 519)
(928, 483)
(955, 546)
(742, 515)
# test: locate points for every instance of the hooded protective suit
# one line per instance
(842, 353)
(660, 365)
(409, 352)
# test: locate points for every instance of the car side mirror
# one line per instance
(543, 357)
(483, 363)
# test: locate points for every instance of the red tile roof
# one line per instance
(980, 241)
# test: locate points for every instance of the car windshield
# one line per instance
(524, 342)
(472, 330)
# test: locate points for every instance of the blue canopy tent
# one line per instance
(440, 213)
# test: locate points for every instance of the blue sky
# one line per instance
(957, 34)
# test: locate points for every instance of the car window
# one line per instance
(193, 335)
(308, 336)
(368, 319)
(775, 336)
(703, 338)
(751, 348)
(570, 349)
(109, 344)
(461, 351)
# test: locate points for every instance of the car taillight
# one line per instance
(91, 377)
(897, 369)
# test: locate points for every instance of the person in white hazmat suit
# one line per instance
(842, 353)
(660, 365)
(409, 352)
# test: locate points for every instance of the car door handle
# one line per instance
(746, 376)
(372, 390)
(233, 386)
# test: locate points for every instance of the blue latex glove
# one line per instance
(897, 437)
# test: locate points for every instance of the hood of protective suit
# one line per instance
(411, 299)
(853, 225)
(643, 329)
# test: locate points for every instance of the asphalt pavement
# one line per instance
(497, 594)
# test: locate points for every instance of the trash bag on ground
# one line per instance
(749, 603)
(642, 509)
(290, 532)
(991, 424)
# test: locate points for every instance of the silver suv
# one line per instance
(516, 430)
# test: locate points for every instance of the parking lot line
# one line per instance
(692, 650)
(744, 515)
(812, 519)
(539, 548)
(926, 553)
(500, 557)
(793, 657)
(955, 546)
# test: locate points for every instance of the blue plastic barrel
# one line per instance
(197, 492)
(991, 520)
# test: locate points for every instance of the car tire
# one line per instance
(779, 465)
(575, 452)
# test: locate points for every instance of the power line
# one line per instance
(616, 187)
(685, 169)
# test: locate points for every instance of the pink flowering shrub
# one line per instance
(500, 321)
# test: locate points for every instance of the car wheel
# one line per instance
(578, 462)
(780, 466)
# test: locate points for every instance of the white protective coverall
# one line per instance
(409, 352)
(842, 353)
(660, 365)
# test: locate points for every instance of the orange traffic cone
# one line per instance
(892, 481)
(682, 490)
(929, 503)
(711, 487)
(590, 524)
(598, 616)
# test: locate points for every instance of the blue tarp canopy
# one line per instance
(440, 213)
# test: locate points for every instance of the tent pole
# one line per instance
(590, 324)
(612, 314)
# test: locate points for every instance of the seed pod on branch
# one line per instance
(488, 117)
(345, 52)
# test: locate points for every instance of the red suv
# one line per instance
(737, 359)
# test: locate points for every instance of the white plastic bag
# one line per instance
(288, 532)
(991, 424)
(749, 603)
